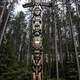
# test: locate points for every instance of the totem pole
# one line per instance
(37, 42)
(37, 39)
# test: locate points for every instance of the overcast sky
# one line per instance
(18, 7)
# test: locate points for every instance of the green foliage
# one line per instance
(10, 69)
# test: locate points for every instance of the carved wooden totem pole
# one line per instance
(37, 57)
(36, 40)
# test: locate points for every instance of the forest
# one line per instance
(61, 40)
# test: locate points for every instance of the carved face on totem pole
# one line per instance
(37, 24)
(37, 42)
(37, 10)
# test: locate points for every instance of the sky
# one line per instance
(18, 7)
